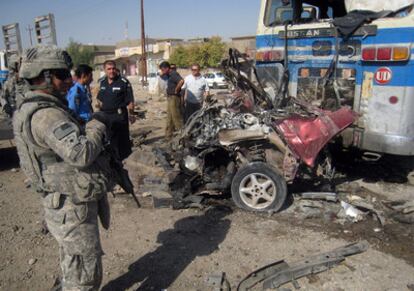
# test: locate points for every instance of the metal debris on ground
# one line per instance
(277, 274)
(402, 211)
(219, 282)
(404, 207)
(352, 212)
(141, 137)
(162, 199)
(328, 196)
(367, 207)
(140, 114)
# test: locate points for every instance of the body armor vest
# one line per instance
(47, 171)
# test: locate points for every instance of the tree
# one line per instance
(178, 57)
(208, 54)
(80, 54)
(215, 50)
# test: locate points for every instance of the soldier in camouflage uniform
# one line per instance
(66, 165)
(14, 88)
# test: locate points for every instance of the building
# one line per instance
(244, 44)
(128, 54)
(198, 40)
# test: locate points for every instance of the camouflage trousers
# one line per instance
(174, 116)
(75, 227)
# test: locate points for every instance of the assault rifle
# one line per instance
(121, 174)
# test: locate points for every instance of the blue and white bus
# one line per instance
(373, 71)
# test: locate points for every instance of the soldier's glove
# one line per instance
(95, 127)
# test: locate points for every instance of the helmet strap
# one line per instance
(48, 79)
(48, 86)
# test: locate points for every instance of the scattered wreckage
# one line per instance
(247, 143)
(280, 273)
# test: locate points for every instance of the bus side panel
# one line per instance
(386, 105)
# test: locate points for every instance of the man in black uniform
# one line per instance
(116, 100)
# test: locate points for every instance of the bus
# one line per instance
(370, 69)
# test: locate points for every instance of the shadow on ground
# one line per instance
(8, 159)
(191, 237)
(389, 168)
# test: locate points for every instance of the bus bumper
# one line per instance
(388, 143)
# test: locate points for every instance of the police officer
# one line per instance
(65, 164)
(116, 100)
(79, 99)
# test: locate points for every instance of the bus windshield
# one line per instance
(280, 11)
(271, 7)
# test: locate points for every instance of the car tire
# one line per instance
(215, 86)
(258, 187)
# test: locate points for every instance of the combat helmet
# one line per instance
(41, 59)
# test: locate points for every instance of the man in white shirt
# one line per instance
(196, 89)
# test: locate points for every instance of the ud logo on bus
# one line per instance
(383, 76)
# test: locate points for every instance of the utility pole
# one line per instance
(126, 30)
(29, 30)
(143, 47)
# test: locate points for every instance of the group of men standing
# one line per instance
(184, 96)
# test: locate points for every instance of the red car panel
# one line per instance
(307, 136)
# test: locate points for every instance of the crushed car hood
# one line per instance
(307, 137)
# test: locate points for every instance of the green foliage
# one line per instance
(80, 54)
(179, 57)
(208, 54)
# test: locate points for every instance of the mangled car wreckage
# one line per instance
(252, 145)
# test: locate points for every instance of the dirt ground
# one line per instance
(154, 249)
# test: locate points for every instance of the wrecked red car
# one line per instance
(254, 152)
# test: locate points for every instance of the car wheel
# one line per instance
(215, 86)
(258, 187)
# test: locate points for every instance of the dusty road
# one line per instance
(149, 249)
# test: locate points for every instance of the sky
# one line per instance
(104, 21)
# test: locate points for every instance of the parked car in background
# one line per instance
(216, 80)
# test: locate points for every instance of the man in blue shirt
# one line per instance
(79, 98)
